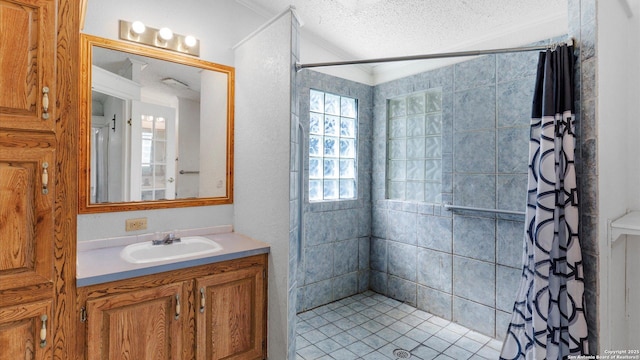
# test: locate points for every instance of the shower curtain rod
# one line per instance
(300, 66)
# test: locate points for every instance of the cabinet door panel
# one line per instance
(230, 325)
(27, 35)
(137, 325)
(20, 331)
(26, 217)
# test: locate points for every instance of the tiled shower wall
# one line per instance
(583, 29)
(442, 251)
(334, 262)
(461, 266)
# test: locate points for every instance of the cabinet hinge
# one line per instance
(83, 315)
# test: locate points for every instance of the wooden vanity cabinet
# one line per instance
(230, 321)
(221, 312)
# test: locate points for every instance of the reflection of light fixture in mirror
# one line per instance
(175, 83)
(163, 38)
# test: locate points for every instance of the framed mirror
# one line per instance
(156, 128)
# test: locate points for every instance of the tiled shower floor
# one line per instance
(370, 326)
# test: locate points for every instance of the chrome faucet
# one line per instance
(168, 239)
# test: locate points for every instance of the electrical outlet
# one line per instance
(135, 224)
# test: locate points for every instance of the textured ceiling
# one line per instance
(382, 28)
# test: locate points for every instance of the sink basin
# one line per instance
(189, 246)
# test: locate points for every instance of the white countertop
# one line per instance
(100, 264)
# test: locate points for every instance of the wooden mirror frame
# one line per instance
(84, 156)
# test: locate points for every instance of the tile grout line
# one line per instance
(392, 304)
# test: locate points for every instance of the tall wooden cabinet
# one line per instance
(27, 178)
(27, 65)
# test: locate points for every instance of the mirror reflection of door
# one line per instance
(153, 156)
(99, 161)
(107, 153)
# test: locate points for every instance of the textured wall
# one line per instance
(335, 259)
(262, 158)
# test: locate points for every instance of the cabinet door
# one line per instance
(231, 317)
(27, 63)
(26, 216)
(137, 325)
(24, 331)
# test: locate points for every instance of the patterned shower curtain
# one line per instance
(549, 319)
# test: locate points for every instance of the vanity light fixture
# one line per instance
(162, 38)
(137, 28)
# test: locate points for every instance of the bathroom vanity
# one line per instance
(210, 307)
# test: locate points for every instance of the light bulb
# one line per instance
(190, 41)
(165, 34)
(138, 27)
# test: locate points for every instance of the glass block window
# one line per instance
(414, 147)
(333, 125)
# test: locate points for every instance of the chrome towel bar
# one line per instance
(451, 207)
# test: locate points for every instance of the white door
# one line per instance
(153, 152)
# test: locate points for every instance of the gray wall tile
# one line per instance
(435, 269)
(475, 151)
(344, 286)
(475, 109)
(435, 302)
(474, 237)
(317, 294)
(379, 222)
(516, 66)
(364, 253)
(515, 100)
(507, 284)
(513, 152)
(477, 316)
(474, 190)
(378, 254)
(345, 257)
(435, 232)
(378, 281)
(402, 260)
(510, 242)
(344, 223)
(475, 73)
(317, 229)
(502, 323)
(321, 267)
(511, 192)
(402, 290)
(480, 287)
(363, 280)
(402, 226)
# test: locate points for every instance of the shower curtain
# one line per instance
(549, 319)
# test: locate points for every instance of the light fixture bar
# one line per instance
(150, 36)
